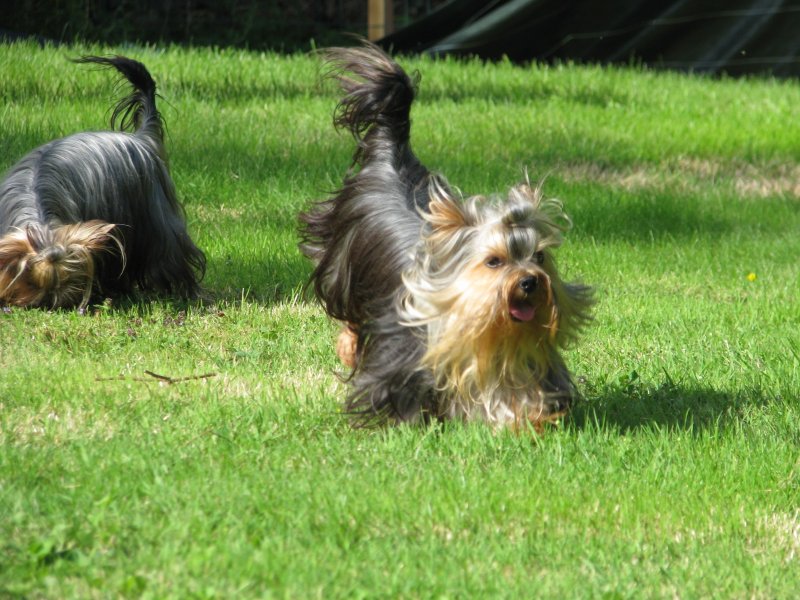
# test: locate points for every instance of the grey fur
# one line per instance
(367, 244)
(118, 177)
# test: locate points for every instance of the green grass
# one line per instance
(677, 475)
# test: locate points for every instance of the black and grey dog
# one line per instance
(452, 307)
(97, 211)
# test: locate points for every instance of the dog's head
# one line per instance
(51, 268)
(486, 286)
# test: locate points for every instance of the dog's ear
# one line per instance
(14, 247)
(14, 250)
(444, 211)
(16, 253)
(91, 235)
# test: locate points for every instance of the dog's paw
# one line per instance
(346, 346)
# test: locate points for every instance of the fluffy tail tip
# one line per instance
(377, 89)
(138, 107)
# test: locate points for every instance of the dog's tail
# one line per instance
(137, 111)
(378, 100)
(52, 268)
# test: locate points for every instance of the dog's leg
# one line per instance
(347, 346)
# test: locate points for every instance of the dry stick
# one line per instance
(170, 380)
(160, 378)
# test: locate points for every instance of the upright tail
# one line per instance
(378, 102)
(137, 111)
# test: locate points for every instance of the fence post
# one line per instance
(380, 18)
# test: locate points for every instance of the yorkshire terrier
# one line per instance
(97, 211)
(452, 308)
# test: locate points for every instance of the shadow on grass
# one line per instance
(142, 305)
(229, 280)
(648, 216)
(630, 404)
(267, 281)
(604, 210)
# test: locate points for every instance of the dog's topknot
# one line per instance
(52, 268)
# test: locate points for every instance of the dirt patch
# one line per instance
(689, 174)
(783, 533)
(55, 427)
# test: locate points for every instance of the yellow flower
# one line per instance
(751, 277)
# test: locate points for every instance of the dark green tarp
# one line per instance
(734, 37)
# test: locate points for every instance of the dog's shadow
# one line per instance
(629, 405)
(265, 280)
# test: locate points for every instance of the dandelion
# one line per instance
(751, 277)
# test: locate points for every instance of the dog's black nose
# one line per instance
(528, 284)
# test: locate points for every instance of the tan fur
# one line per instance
(52, 267)
(458, 305)
(488, 365)
(444, 213)
(347, 345)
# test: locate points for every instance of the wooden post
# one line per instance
(380, 18)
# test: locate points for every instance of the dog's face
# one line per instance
(40, 267)
(485, 287)
(485, 267)
(506, 282)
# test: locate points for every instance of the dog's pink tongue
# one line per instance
(521, 311)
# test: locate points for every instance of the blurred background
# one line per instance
(284, 25)
(734, 37)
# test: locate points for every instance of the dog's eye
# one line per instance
(539, 258)
(494, 261)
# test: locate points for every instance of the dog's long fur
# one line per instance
(455, 306)
(97, 211)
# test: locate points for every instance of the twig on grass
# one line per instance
(155, 376)
(170, 380)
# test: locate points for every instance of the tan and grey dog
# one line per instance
(97, 211)
(452, 308)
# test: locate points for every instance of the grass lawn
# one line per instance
(677, 475)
